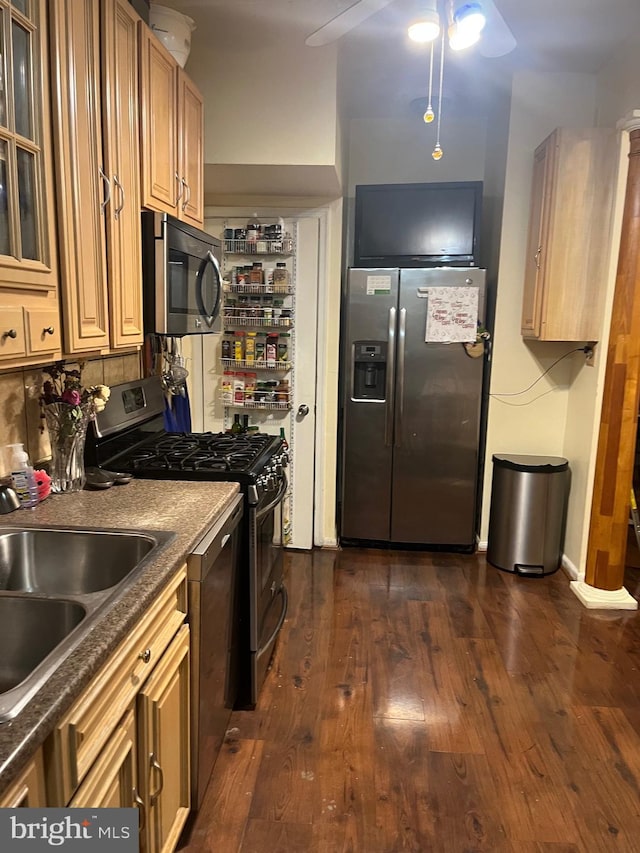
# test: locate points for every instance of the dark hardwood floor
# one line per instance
(431, 703)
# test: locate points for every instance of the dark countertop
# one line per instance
(185, 508)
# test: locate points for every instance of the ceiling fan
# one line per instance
(497, 39)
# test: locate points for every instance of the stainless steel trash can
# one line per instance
(528, 513)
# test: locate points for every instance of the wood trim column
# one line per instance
(619, 416)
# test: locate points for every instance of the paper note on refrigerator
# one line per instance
(378, 284)
(452, 315)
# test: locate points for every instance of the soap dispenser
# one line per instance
(22, 476)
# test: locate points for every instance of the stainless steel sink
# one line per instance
(68, 562)
(30, 628)
(54, 585)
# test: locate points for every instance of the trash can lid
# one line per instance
(531, 464)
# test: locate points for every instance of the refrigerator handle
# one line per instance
(402, 334)
(391, 358)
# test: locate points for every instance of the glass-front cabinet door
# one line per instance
(27, 209)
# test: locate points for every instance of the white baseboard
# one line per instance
(571, 570)
(481, 545)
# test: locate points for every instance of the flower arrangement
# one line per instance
(66, 409)
(65, 386)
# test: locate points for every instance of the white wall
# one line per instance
(538, 422)
(399, 151)
(268, 99)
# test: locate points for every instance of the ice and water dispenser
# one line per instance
(369, 370)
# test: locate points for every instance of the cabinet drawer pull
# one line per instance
(48, 330)
(145, 655)
(10, 334)
(139, 802)
(153, 763)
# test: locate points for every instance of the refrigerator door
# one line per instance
(368, 360)
(438, 395)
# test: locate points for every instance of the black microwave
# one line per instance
(182, 277)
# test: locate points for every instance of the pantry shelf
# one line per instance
(231, 321)
(283, 247)
(282, 405)
(259, 289)
(284, 366)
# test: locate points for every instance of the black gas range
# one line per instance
(129, 436)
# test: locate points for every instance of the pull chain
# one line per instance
(429, 114)
(437, 151)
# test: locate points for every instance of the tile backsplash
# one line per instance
(20, 412)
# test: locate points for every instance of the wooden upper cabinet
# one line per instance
(171, 141)
(82, 186)
(121, 141)
(569, 233)
(191, 150)
(94, 57)
(28, 255)
(161, 185)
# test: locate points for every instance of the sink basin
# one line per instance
(30, 628)
(68, 562)
(54, 585)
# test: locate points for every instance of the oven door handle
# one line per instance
(283, 615)
(281, 493)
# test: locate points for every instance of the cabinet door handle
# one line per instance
(12, 333)
(145, 655)
(187, 196)
(180, 188)
(536, 257)
(118, 209)
(48, 330)
(154, 765)
(137, 799)
(107, 193)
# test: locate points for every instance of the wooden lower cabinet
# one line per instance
(111, 782)
(163, 729)
(28, 791)
(126, 741)
(145, 762)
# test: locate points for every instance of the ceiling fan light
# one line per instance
(461, 39)
(426, 28)
(469, 17)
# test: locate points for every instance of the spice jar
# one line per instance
(255, 274)
(283, 348)
(282, 391)
(226, 345)
(281, 278)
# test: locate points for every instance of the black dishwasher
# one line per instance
(213, 578)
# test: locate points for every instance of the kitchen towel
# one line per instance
(177, 412)
(452, 315)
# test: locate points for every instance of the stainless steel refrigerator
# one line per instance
(411, 406)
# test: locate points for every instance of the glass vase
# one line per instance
(67, 427)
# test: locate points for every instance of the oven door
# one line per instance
(187, 280)
(268, 595)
